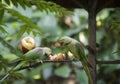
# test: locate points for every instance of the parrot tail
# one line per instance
(87, 70)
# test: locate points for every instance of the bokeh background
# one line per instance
(53, 26)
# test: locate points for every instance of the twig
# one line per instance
(1, 80)
(12, 69)
(108, 62)
(44, 61)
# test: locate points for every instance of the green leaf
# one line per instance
(27, 3)
(23, 18)
(3, 30)
(63, 71)
(82, 77)
(41, 5)
(4, 82)
(21, 32)
(1, 12)
(15, 2)
(1, 15)
(21, 2)
(16, 75)
(7, 1)
(51, 7)
(3, 63)
(26, 20)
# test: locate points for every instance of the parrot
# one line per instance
(38, 53)
(76, 48)
(34, 55)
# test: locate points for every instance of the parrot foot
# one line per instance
(41, 61)
(29, 67)
(90, 65)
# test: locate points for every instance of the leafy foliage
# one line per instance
(9, 8)
(63, 71)
(41, 5)
(109, 43)
(29, 26)
(45, 71)
(40, 21)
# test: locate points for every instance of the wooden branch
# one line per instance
(108, 62)
(44, 61)
(63, 61)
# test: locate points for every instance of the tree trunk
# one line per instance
(92, 43)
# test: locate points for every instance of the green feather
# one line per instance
(78, 51)
(34, 54)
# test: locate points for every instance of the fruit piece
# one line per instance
(27, 43)
(58, 57)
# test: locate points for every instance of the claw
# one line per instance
(41, 61)
(29, 67)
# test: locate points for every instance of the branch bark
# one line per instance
(64, 61)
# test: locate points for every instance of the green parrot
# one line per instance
(38, 53)
(75, 47)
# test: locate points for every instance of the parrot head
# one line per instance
(48, 51)
(64, 41)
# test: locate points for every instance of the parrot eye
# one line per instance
(62, 43)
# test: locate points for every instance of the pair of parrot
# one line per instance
(72, 45)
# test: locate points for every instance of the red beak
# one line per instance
(49, 55)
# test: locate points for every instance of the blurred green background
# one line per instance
(53, 26)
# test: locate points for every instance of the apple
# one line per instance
(27, 43)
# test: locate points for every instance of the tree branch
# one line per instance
(108, 62)
(44, 61)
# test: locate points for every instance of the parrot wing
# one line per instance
(34, 54)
